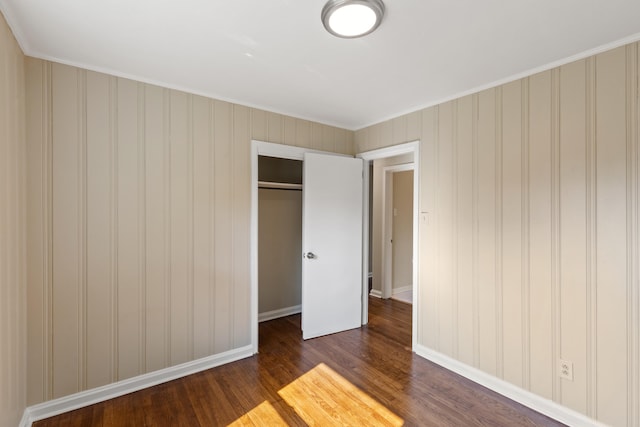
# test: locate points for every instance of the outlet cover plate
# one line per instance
(565, 369)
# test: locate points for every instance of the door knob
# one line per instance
(311, 255)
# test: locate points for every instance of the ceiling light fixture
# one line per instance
(352, 18)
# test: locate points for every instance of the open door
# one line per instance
(332, 244)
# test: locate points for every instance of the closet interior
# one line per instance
(279, 237)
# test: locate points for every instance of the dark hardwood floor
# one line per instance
(376, 359)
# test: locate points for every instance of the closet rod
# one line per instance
(279, 185)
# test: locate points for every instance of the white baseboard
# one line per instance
(401, 289)
(531, 400)
(282, 312)
(120, 388)
(375, 293)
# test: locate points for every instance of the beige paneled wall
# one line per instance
(13, 222)
(531, 254)
(139, 205)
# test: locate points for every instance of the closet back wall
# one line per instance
(139, 202)
(279, 252)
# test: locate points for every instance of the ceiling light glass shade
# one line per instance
(352, 18)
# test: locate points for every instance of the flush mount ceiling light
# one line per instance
(352, 18)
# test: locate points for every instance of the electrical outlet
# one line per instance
(565, 369)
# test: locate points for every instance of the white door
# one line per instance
(332, 244)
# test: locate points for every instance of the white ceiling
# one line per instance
(277, 56)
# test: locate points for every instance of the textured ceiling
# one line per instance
(277, 56)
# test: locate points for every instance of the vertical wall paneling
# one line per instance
(328, 138)
(636, 219)
(67, 351)
(82, 197)
(113, 225)
(475, 231)
(155, 265)
(446, 286)
(212, 223)
(499, 234)
(427, 230)
(259, 125)
(591, 238)
(573, 243)
(316, 136)
(303, 132)
(555, 229)
(386, 133)
(511, 227)
(345, 141)
(142, 229)
(487, 232)
(241, 219)
(97, 183)
(633, 323)
(39, 218)
(13, 230)
(464, 225)
(373, 136)
(453, 224)
(540, 234)
(190, 230)
(166, 221)
(128, 237)
(611, 237)
(525, 238)
(231, 209)
(202, 184)
(180, 189)
(399, 129)
(274, 127)
(289, 130)
(223, 217)
(414, 128)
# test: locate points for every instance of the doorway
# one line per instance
(279, 237)
(298, 153)
(408, 153)
(333, 184)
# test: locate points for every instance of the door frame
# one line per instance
(262, 148)
(387, 225)
(382, 153)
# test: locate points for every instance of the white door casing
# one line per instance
(291, 152)
(332, 244)
(381, 153)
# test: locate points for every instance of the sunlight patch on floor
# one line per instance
(262, 415)
(323, 397)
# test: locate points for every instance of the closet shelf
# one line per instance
(279, 185)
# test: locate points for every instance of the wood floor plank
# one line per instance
(365, 376)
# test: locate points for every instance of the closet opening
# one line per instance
(279, 237)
